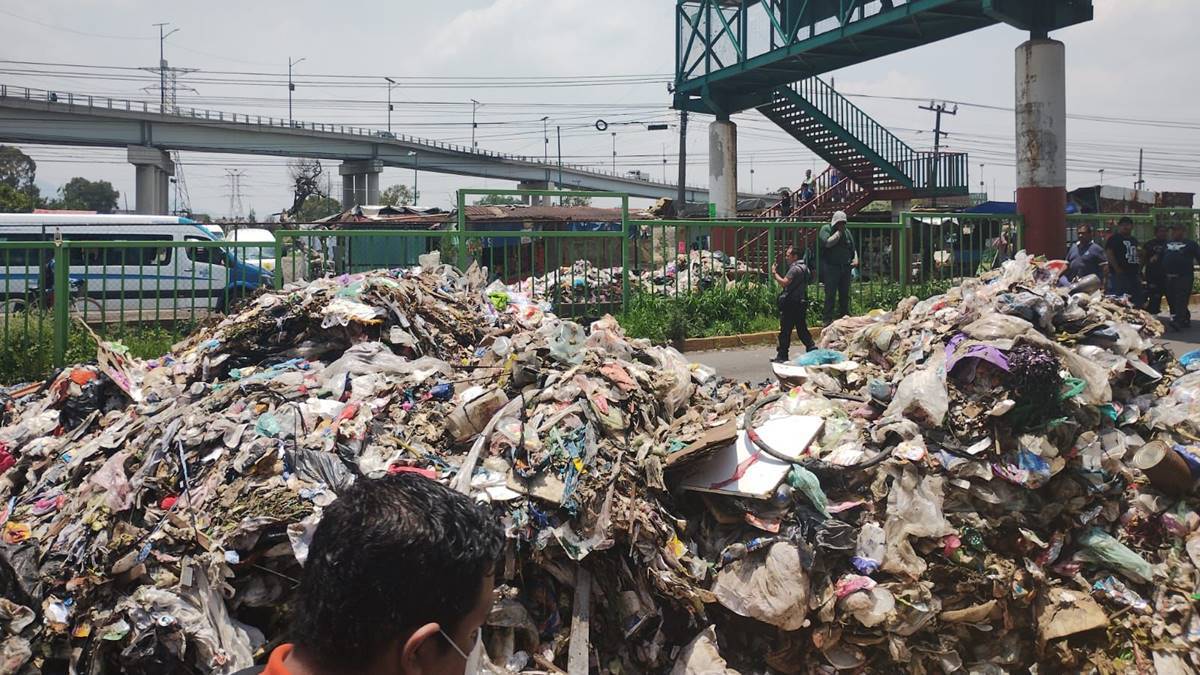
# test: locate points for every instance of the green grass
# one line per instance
(746, 309)
(27, 345)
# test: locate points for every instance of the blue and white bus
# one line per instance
(124, 281)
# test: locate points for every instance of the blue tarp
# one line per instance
(1006, 208)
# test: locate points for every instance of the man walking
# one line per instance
(793, 305)
(1085, 256)
(837, 259)
(1180, 256)
(1156, 278)
(1124, 276)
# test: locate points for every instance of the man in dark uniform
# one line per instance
(1156, 278)
(793, 305)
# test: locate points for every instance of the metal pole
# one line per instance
(474, 125)
(292, 87)
(681, 198)
(614, 135)
(546, 141)
(390, 82)
(416, 166)
(62, 302)
(558, 133)
(1141, 182)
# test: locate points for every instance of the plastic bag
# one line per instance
(872, 542)
(1191, 358)
(566, 342)
(807, 483)
(922, 395)
(820, 357)
(774, 590)
(914, 509)
(1097, 546)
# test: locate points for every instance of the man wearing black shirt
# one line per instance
(1156, 278)
(793, 305)
(1180, 256)
(1124, 276)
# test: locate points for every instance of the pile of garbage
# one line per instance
(157, 514)
(584, 283)
(998, 479)
(696, 270)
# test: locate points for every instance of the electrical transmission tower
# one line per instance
(235, 194)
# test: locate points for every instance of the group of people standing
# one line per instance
(1161, 268)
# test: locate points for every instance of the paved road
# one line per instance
(753, 364)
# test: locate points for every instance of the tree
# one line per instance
(306, 177)
(317, 207)
(499, 200)
(81, 194)
(577, 201)
(13, 200)
(17, 172)
(398, 195)
(251, 218)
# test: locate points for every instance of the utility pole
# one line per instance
(751, 173)
(982, 186)
(391, 83)
(416, 166)
(680, 197)
(939, 110)
(1141, 181)
(664, 148)
(474, 107)
(162, 63)
(614, 135)
(292, 86)
(1102, 177)
(546, 140)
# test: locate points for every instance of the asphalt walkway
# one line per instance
(754, 364)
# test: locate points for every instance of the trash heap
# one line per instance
(693, 271)
(580, 282)
(994, 480)
(998, 479)
(584, 283)
(157, 514)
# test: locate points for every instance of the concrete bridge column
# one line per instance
(535, 185)
(360, 182)
(1042, 145)
(722, 167)
(154, 169)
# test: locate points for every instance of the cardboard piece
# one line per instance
(741, 469)
(1067, 612)
(713, 438)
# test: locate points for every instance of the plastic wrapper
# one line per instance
(1097, 546)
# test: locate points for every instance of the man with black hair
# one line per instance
(793, 305)
(399, 579)
(1156, 277)
(1179, 262)
(1124, 270)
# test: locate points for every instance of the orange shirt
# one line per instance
(275, 663)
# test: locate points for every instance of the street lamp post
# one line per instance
(474, 107)
(162, 64)
(546, 140)
(292, 86)
(391, 83)
(416, 165)
(614, 135)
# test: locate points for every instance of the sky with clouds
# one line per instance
(1131, 84)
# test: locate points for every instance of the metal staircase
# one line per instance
(860, 148)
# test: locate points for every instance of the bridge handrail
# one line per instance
(71, 99)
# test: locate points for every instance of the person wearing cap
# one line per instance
(399, 579)
(838, 257)
(1179, 259)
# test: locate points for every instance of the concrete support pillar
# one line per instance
(1041, 98)
(722, 167)
(535, 185)
(360, 182)
(900, 206)
(373, 188)
(153, 170)
(348, 201)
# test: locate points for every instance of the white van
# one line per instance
(139, 282)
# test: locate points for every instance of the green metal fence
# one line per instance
(120, 289)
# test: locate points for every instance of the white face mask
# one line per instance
(454, 645)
